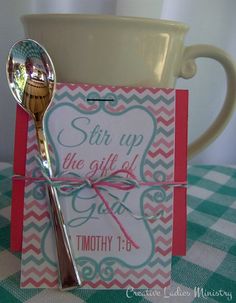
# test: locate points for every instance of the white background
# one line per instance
(212, 22)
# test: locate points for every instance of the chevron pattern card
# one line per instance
(127, 149)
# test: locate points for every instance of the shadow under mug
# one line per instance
(128, 51)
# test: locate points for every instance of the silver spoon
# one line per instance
(31, 78)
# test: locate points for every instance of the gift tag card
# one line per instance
(120, 232)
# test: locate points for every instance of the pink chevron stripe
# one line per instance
(166, 122)
(166, 219)
(128, 283)
(155, 90)
(31, 247)
(59, 86)
(164, 142)
(72, 86)
(99, 88)
(127, 89)
(35, 203)
(163, 240)
(39, 283)
(163, 252)
(114, 89)
(138, 90)
(161, 110)
(148, 173)
(159, 272)
(88, 108)
(167, 90)
(160, 151)
(120, 108)
(134, 90)
(32, 148)
(39, 273)
(31, 139)
(152, 221)
(156, 209)
(31, 237)
(40, 217)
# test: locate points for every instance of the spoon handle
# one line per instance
(67, 270)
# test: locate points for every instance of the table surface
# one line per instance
(206, 274)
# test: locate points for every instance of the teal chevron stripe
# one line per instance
(31, 128)
(28, 194)
(30, 160)
(159, 162)
(35, 226)
(141, 100)
(160, 261)
(78, 96)
(164, 132)
(32, 259)
(164, 230)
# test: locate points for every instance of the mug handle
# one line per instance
(189, 69)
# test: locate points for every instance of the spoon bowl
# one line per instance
(31, 77)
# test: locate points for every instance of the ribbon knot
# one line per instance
(88, 182)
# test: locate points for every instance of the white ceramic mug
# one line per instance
(128, 51)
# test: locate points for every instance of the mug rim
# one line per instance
(97, 17)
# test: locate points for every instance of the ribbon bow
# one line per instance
(115, 180)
